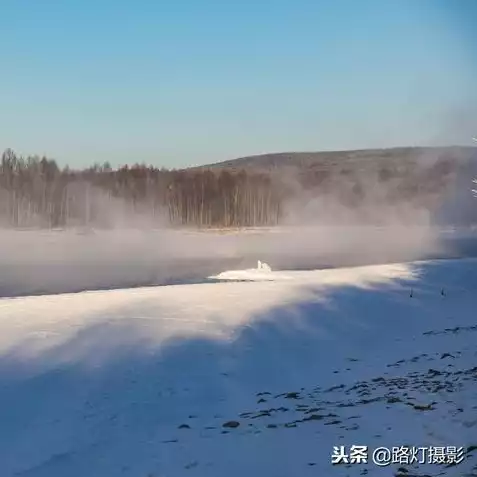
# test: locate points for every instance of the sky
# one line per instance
(185, 82)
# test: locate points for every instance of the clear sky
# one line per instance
(184, 82)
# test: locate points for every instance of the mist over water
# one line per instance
(46, 262)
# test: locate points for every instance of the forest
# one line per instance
(250, 192)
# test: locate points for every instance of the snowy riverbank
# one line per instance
(242, 378)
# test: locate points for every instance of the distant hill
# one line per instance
(438, 179)
(350, 159)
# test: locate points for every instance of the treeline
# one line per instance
(36, 192)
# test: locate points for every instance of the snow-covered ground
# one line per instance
(260, 377)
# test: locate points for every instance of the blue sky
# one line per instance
(186, 82)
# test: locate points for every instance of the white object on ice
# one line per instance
(263, 266)
(263, 272)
